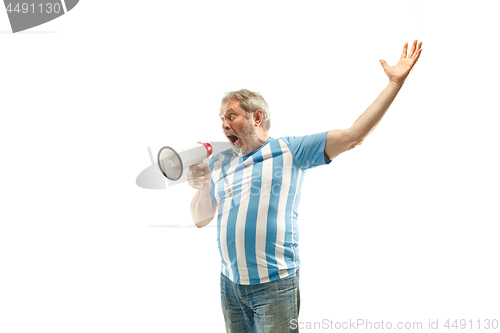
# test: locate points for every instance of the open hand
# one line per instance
(400, 71)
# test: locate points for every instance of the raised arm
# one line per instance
(202, 208)
(339, 141)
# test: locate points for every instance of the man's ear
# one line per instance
(258, 117)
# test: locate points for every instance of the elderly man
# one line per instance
(255, 188)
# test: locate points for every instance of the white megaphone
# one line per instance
(173, 163)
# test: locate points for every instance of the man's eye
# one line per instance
(231, 116)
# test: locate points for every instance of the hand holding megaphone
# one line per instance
(173, 163)
(198, 176)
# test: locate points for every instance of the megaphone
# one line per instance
(173, 163)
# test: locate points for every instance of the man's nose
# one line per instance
(225, 125)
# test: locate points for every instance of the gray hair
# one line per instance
(250, 102)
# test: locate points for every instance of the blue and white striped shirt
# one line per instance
(257, 198)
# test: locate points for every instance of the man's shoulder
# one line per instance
(224, 153)
(307, 150)
(301, 137)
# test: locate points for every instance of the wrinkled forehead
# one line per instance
(232, 104)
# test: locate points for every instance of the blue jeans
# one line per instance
(260, 308)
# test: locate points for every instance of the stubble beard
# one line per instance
(249, 142)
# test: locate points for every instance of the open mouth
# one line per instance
(234, 139)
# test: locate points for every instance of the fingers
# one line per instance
(198, 176)
(197, 185)
(416, 55)
(195, 167)
(405, 48)
(200, 166)
(414, 52)
(199, 169)
(413, 48)
(205, 167)
(198, 182)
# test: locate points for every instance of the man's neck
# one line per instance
(262, 139)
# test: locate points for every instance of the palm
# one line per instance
(400, 71)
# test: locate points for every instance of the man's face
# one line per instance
(240, 131)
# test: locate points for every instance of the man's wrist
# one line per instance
(396, 84)
(204, 190)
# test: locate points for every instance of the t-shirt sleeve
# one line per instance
(308, 151)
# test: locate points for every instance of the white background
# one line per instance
(402, 228)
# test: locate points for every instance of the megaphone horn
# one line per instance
(173, 163)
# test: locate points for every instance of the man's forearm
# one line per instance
(367, 122)
(202, 208)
